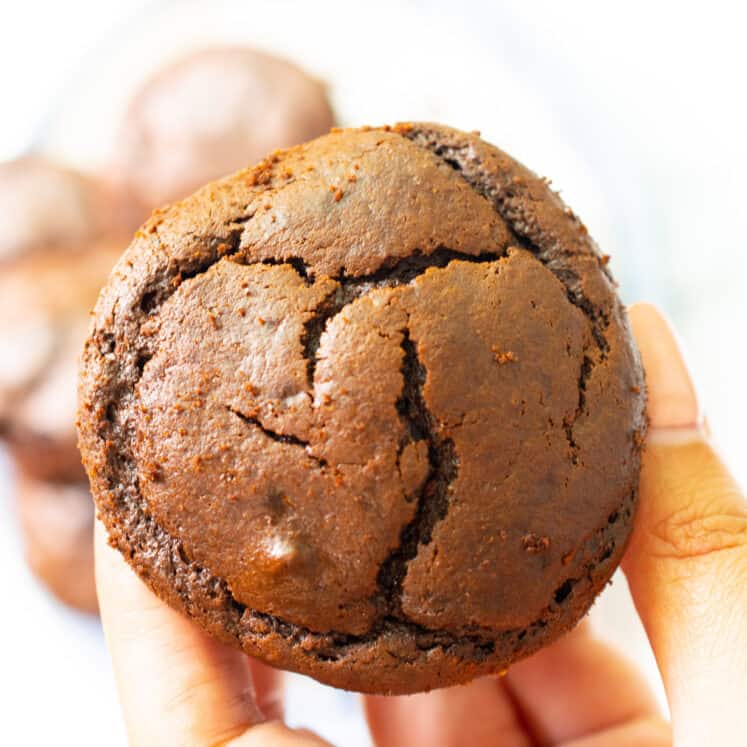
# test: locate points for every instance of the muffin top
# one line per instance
(370, 410)
(44, 206)
(212, 112)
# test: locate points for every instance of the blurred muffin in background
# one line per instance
(57, 524)
(45, 206)
(45, 299)
(212, 113)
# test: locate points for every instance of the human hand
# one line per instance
(686, 565)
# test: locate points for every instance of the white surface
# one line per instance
(637, 111)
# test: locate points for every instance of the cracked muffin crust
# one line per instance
(370, 411)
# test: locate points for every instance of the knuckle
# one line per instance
(694, 532)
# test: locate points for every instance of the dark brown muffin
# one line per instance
(45, 301)
(57, 524)
(370, 411)
(45, 206)
(211, 113)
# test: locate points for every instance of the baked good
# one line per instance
(45, 301)
(46, 206)
(57, 524)
(53, 261)
(370, 410)
(211, 113)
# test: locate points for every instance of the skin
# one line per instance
(686, 567)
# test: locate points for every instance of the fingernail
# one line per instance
(673, 408)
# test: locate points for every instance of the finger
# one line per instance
(176, 685)
(650, 732)
(575, 687)
(268, 689)
(687, 561)
(578, 686)
(275, 734)
(477, 714)
(672, 402)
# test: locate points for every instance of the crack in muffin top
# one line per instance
(379, 380)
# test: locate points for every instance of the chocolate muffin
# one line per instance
(369, 411)
(57, 524)
(45, 301)
(46, 206)
(211, 113)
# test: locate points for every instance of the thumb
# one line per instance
(687, 561)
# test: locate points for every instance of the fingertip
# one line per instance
(120, 592)
(672, 400)
(104, 555)
(268, 689)
(277, 734)
(107, 560)
(108, 567)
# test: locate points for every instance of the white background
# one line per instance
(637, 111)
